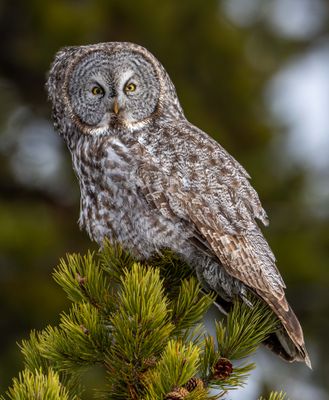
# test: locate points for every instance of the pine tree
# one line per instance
(141, 323)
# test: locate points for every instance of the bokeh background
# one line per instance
(252, 73)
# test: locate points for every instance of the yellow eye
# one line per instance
(130, 87)
(97, 90)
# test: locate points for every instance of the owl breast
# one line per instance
(112, 205)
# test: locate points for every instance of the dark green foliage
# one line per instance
(147, 336)
(172, 270)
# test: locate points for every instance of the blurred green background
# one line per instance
(252, 73)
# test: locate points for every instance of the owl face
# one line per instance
(109, 87)
(106, 88)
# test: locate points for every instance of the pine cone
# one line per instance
(177, 394)
(222, 369)
(81, 280)
(150, 362)
(84, 330)
(193, 383)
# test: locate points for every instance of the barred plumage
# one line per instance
(150, 180)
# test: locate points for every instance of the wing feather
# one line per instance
(241, 249)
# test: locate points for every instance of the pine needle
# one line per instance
(275, 396)
(36, 385)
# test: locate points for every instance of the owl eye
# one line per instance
(130, 87)
(97, 91)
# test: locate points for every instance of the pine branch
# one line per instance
(35, 360)
(114, 260)
(83, 279)
(177, 365)
(140, 327)
(243, 331)
(33, 357)
(218, 372)
(189, 306)
(143, 325)
(36, 385)
(81, 339)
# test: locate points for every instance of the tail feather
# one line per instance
(288, 341)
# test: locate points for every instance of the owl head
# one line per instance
(101, 87)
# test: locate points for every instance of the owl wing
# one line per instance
(244, 253)
(210, 190)
(197, 181)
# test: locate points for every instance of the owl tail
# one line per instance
(287, 342)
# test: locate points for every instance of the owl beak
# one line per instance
(116, 107)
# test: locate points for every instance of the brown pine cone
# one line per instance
(81, 280)
(222, 369)
(150, 362)
(193, 383)
(177, 394)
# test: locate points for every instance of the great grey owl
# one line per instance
(149, 179)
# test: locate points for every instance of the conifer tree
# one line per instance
(141, 323)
